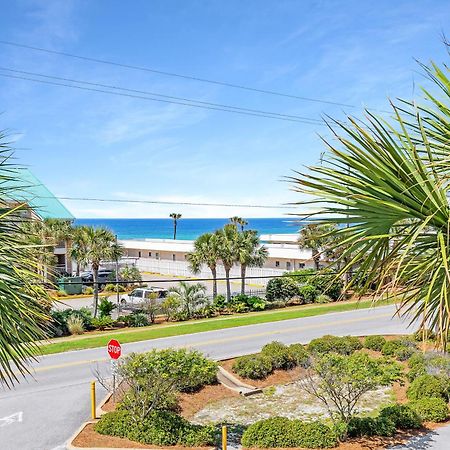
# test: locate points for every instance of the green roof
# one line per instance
(29, 189)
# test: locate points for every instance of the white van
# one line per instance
(140, 295)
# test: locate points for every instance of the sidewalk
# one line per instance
(438, 439)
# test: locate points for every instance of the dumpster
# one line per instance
(72, 285)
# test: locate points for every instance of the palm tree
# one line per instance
(176, 217)
(24, 303)
(190, 296)
(206, 251)
(227, 240)
(317, 238)
(97, 244)
(78, 248)
(394, 198)
(249, 253)
(236, 220)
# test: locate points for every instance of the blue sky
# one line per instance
(89, 144)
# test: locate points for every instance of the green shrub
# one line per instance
(278, 354)
(102, 322)
(255, 367)
(429, 386)
(282, 288)
(160, 428)
(75, 325)
(308, 293)
(345, 345)
(374, 342)
(430, 363)
(371, 426)
(299, 355)
(137, 319)
(431, 409)
(220, 302)
(106, 307)
(189, 369)
(112, 287)
(302, 276)
(403, 353)
(390, 347)
(88, 290)
(240, 308)
(323, 298)
(324, 282)
(58, 325)
(282, 432)
(256, 303)
(403, 416)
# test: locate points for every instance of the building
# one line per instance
(41, 204)
(168, 256)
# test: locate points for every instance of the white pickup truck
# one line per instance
(140, 295)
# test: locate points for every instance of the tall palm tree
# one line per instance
(97, 244)
(24, 303)
(206, 251)
(227, 240)
(394, 198)
(191, 296)
(78, 248)
(176, 217)
(236, 220)
(315, 237)
(249, 253)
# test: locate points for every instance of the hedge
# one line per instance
(429, 386)
(343, 345)
(432, 409)
(374, 342)
(255, 367)
(286, 433)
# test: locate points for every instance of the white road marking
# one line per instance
(8, 420)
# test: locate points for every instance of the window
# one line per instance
(137, 293)
(277, 263)
(139, 253)
(301, 265)
(157, 255)
(288, 265)
(149, 254)
(173, 257)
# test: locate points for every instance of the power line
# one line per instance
(136, 91)
(178, 75)
(161, 202)
(122, 94)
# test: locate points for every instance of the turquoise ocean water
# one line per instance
(187, 228)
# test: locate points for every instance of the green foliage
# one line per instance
(255, 367)
(374, 342)
(160, 428)
(323, 282)
(137, 319)
(130, 274)
(220, 302)
(88, 290)
(75, 325)
(308, 293)
(106, 307)
(429, 386)
(340, 380)
(431, 409)
(345, 345)
(190, 295)
(282, 288)
(299, 355)
(170, 305)
(390, 347)
(371, 426)
(112, 287)
(302, 276)
(403, 416)
(102, 322)
(279, 355)
(403, 353)
(430, 363)
(282, 432)
(188, 369)
(323, 298)
(59, 326)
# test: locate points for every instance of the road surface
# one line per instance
(42, 413)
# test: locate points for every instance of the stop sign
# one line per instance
(114, 349)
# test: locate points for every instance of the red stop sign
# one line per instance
(114, 349)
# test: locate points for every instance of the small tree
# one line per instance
(191, 296)
(170, 306)
(151, 307)
(340, 381)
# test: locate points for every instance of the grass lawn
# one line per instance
(100, 339)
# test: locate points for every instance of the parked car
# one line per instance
(139, 295)
(103, 277)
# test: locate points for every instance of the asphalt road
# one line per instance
(43, 412)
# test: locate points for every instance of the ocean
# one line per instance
(187, 228)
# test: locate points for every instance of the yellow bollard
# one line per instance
(93, 402)
(224, 437)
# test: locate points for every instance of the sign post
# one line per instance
(114, 352)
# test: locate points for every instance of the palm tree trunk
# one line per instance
(316, 258)
(214, 275)
(95, 277)
(227, 276)
(243, 269)
(174, 229)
